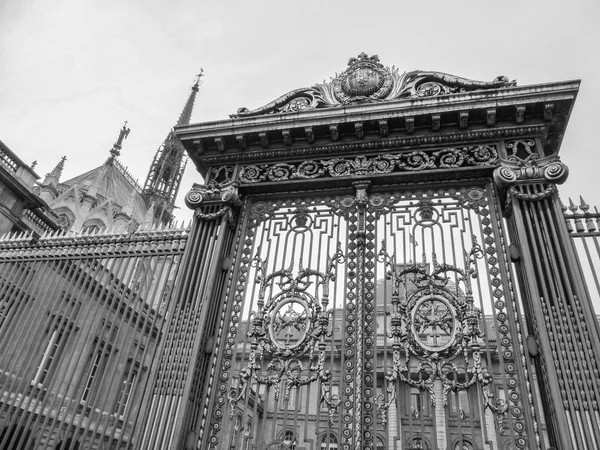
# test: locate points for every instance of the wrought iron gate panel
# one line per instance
(81, 322)
(283, 376)
(465, 384)
(362, 376)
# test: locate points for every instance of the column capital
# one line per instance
(515, 175)
(224, 194)
(531, 170)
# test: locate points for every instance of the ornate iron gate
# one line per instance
(370, 301)
(379, 318)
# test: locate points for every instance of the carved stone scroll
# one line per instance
(366, 80)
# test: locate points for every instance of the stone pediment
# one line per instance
(366, 80)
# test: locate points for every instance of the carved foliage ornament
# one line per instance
(480, 155)
(367, 80)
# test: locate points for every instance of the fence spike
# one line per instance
(583, 205)
(572, 206)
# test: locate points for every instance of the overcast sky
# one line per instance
(71, 71)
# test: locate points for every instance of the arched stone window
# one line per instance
(418, 444)
(463, 444)
(93, 226)
(66, 217)
(329, 441)
(288, 440)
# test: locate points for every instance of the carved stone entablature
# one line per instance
(367, 80)
(478, 155)
(223, 194)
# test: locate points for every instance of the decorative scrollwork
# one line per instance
(309, 169)
(480, 155)
(288, 325)
(450, 157)
(435, 321)
(252, 174)
(416, 161)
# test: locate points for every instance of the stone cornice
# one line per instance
(566, 90)
(405, 143)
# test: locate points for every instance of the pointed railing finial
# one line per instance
(117, 146)
(572, 206)
(583, 205)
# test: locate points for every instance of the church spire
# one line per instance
(52, 178)
(164, 176)
(186, 114)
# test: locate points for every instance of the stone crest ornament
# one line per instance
(367, 80)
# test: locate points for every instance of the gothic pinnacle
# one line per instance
(53, 177)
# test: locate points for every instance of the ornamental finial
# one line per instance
(198, 80)
(117, 146)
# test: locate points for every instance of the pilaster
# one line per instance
(558, 309)
(181, 382)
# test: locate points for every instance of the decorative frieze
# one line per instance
(479, 155)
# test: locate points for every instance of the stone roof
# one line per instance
(111, 181)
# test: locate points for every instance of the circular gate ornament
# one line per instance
(290, 323)
(434, 323)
